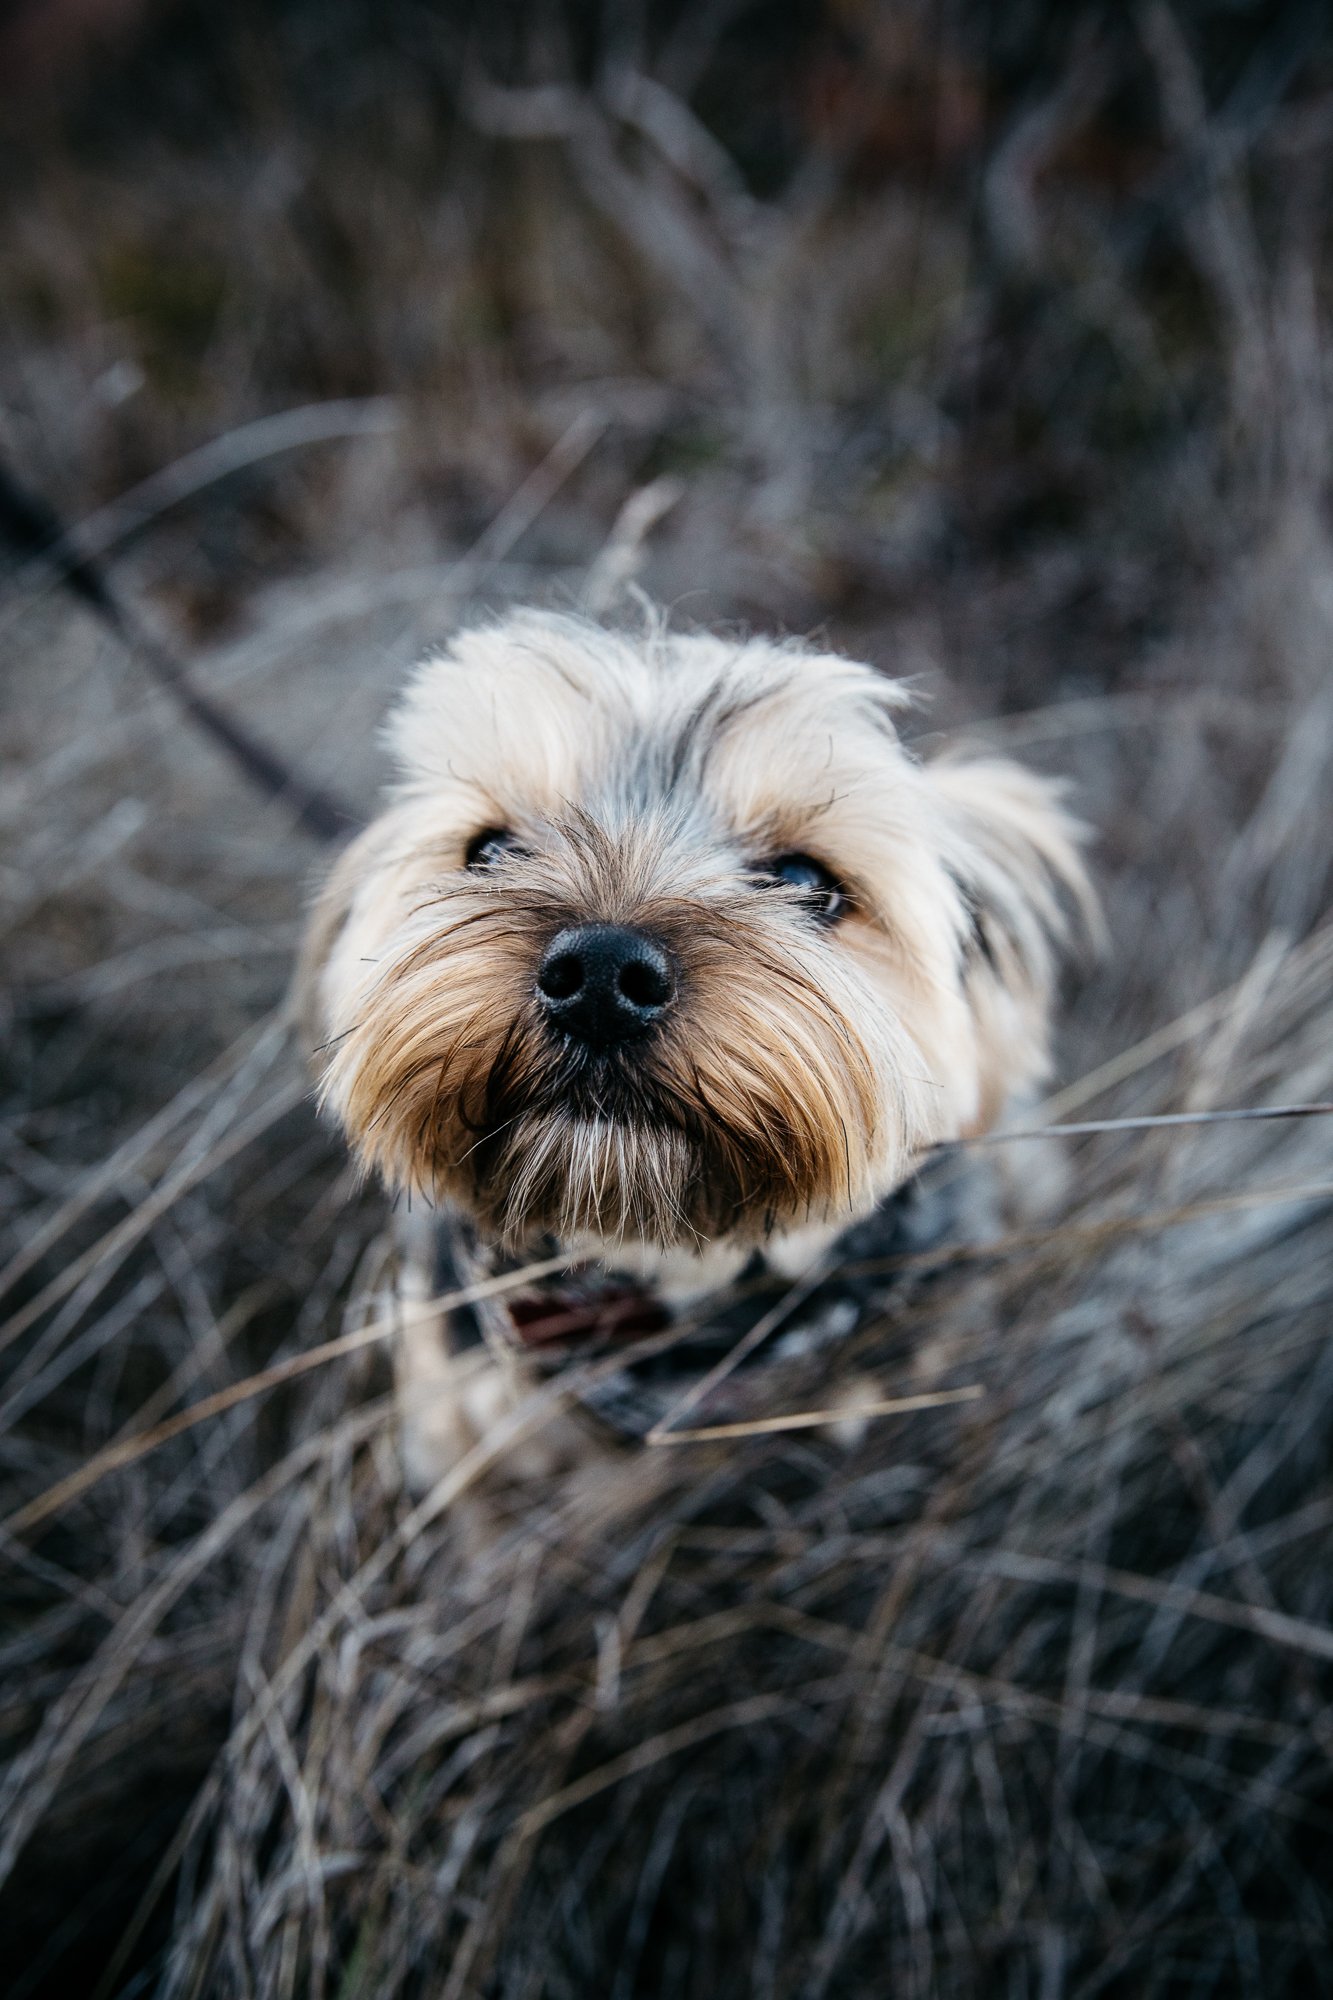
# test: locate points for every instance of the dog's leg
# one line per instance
(450, 1401)
(446, 1400)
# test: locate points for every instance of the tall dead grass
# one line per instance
(1027, 1695)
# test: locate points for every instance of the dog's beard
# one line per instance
(778, 1092)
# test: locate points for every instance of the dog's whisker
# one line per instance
(322, 1048)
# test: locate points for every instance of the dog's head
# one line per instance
(669, 940)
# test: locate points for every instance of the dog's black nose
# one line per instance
(605, 983)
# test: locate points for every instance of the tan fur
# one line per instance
(803, 1069)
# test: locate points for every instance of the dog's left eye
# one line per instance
(823, 891)
(489, 846)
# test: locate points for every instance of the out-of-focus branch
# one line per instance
(639, 201)
(685, 142)
(617, 562)
(1216, 223)
(674, 195)
(34, 531)
(1009, 192)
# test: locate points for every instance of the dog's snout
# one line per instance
(605, 983)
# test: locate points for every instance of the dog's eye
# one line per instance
(825, 894)
(489, 846)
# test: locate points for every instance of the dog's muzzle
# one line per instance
(605, 983)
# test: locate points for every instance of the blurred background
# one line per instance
(988, 342)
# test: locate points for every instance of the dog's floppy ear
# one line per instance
(1014, 851)
(325, 925)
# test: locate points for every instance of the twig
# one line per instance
(616, 563)
(127, 1450)
(1092, 1235)
(1160, 1121)
(789, 1303)
(1089, 1235)
(535, 493)
(1022, 1566)
(35, 530)
(246, 445)
(32, 528)
(185, 1174)
(116, 1170)
(802, 1420)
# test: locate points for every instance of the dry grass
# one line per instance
(1023, 1695)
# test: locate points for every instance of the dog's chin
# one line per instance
(599, 1179)
(601, 1185)
(589, 1177)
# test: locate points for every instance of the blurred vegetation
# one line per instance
(914, 275)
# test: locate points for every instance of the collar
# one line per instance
(852, 1282)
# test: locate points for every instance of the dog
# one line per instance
(666, 962)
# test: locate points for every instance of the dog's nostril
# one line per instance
(645, 983)
(561, 977)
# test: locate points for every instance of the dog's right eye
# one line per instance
(826, 895)
(489, 846)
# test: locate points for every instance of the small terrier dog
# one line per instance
(667, 957)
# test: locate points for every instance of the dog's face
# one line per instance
(669, 941)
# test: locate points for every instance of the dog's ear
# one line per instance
(325, 926)
(1013, 849)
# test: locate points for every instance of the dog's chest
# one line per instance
(632, 1363)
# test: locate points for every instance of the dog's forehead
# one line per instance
(542, 711)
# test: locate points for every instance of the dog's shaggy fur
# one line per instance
(552, 774)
